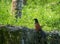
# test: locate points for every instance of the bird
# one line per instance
(40, 34)
(37, 25)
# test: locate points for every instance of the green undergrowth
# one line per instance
(47, 12)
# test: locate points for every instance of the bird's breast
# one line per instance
(37, 27)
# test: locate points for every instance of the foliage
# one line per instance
(46, 11)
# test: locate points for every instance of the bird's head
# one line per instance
(36, 20)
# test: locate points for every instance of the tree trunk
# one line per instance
(17, 8)
(14, 3)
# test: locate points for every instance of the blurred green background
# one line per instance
(46, 11)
